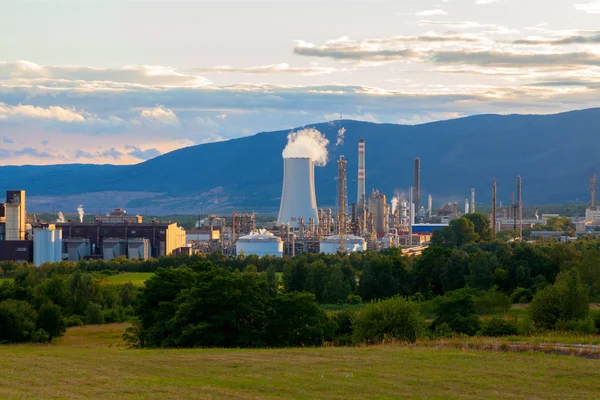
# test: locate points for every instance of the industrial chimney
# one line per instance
(472, 208)
(298, 195)
(417, 193)
(362, 192)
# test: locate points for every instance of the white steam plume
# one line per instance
(60, 217)
(309, 143)
(340, 136)
(80, 212)
(394, 204)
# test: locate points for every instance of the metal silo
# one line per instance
(298, 199)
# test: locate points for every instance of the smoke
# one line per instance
(309, 143)
(394, 204)
(60, 217)
(80, 212)
(340, 136)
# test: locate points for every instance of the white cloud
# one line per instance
(282, 68)
(159, 116)
(591, 8)
(30, 112)
(429, 13)
(485, 1)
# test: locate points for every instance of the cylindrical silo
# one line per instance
(298, 197)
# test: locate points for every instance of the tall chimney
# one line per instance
(494, 189)
(411, 215)
(472, 208)
(511, 206)
(298, 195)
(429, 206)
(362, 192)
(520, 206)
(593, 205)
(466, 206)
(341, 211)
(417, 189)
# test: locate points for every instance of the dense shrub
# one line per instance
(498, 327)
(491, 302)
(50, 319)
(395, 318)
(521, 296)
(457, 310)
(563, 302)
(17, 321)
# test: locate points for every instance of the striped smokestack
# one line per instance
(362, 192)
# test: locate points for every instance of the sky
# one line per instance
(123, 81)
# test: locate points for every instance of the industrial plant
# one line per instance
(372, 222)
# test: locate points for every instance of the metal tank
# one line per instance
(260, 244)
(298, 199)
(331, 244)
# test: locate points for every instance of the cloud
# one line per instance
(142, 154)
(31, 112)
(83, 154)
(7, 140)
(158, 116)
(282, 68)
(482, 2)
(429, 13)
(516, 60)
(31, 152)
(134, 74)
(112, 153)
(351, 50)
(578, 39)
(591, 8)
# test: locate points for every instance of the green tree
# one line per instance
(294, 319)
(394, 318)
(458, 233)
(457, 310)
(482, 226)
(481, 270)
(17, 321)
(50, 319)
(336, 287)
(563, 302)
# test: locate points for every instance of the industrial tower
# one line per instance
(362, 191)
(417, 188)
(494, 190)
(341, 206)
(593, 205)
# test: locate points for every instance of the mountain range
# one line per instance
(554, 154)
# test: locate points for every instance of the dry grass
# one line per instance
(91, 363)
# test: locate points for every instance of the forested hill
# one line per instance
(553, 153)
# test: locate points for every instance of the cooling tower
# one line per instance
(298, 196)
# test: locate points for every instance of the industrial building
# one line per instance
(110, 240)
(15, 241)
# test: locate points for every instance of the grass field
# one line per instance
(137, 278)
(90, 363)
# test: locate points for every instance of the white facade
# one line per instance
(331, 245)
(260, 245)
(298, 199)
(47, 246)
(592, 216)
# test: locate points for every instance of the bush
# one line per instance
(585, 326)
(521, 295)
(343, 331)
(74, 320)
(50, 320)
(113, 315)
(497, 327)
(17, 321)
(562, 302)
(492, 302)
(93, 314)
(354, 299)
(457, 310)
(596, 317)
(395, 318)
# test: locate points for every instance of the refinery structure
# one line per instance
(372, 222)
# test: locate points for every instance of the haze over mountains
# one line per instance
(553, 153)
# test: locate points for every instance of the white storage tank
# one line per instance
(47, 245)
(260, 244)
(331, 244)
